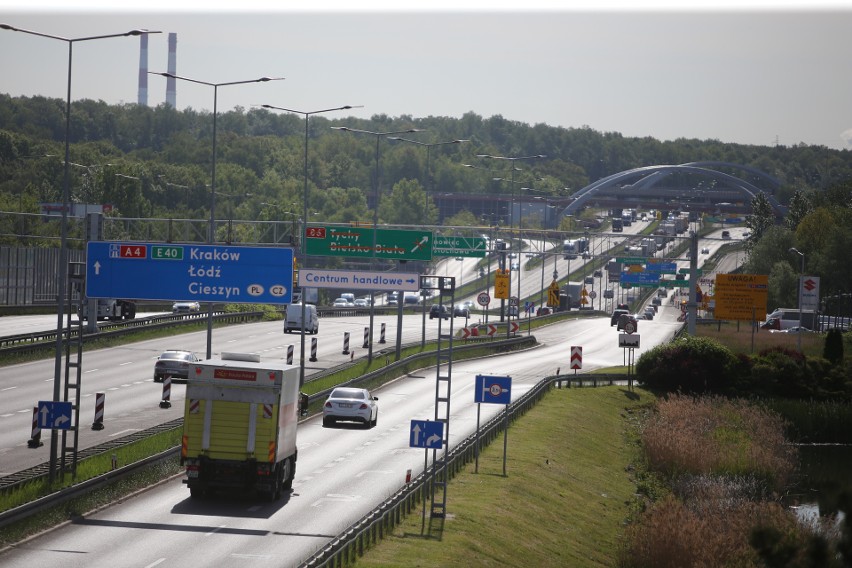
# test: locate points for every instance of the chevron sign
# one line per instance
(492, 329)
(576, 357)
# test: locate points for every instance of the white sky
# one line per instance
(744, 72)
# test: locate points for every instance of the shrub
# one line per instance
(691, 365)
(833, 350)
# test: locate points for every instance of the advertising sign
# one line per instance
(740, 296)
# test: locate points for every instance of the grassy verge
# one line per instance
(564, 500)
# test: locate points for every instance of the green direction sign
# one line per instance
(357, 242)
(698, 271)
(631, 260)
(459, 246)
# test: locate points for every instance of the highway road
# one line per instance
(342, 472)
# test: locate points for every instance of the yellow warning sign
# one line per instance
(553, 295)
(501, 284)
(583, 296)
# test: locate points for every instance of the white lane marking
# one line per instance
(366, 471)
(9, 388)
(156, 563)
(125, 431)
(335, 498)
(90, 371)
(123, 364)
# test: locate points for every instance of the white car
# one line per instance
(185, 307)
(362, 303)
(352, 405)
(341, 303)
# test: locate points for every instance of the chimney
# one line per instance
(143, 70)
(171, 88)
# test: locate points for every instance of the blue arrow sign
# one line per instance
(202, 273)
(426, 434)
(54, 415)
(494, 390)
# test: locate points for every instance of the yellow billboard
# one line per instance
(740, 296)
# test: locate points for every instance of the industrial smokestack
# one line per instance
(143, 69)
(171, 88)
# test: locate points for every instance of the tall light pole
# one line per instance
(211, 238)
(801, 289)
(66, 192)
(376, 187)
(430, 189)
(512, 160)
(307, 115)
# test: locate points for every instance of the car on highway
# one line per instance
(461, 311)
(362, 303)
(544, 311)
(341, 303)
(617, 313)
(511, 311)
(174, 363)
(705, 250)
(650, 312)
(350, 405)
(439, 311)
(624, 320)
(185, 307)
(795, 329)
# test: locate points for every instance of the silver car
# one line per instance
(175, 364)
(352, 405)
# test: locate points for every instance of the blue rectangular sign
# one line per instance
(185, 272)
(494, 390)
(54, 415)
(426, 434)
(639, 278)
(661, 267)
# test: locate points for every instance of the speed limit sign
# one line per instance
(483, 299)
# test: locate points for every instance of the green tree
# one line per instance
(761, 218)
(463, 218)
(408, 204)
(800, 206)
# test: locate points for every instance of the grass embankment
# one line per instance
(563, 502)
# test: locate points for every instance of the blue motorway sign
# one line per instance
(188, 272)
(651, 279)
(661, 267)
(54, 415)
(426, 434)
(494, 390)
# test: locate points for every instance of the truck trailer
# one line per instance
(239, 430)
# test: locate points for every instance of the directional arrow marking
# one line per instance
(416, 431)
(60, 420)
(97, 268)
(431, 440)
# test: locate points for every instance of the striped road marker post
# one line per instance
(289, 354)
(382, 335)
(366, 337)
(98, 424)
(35, 436)
(313, 349)
(346, 343)
(167, 392)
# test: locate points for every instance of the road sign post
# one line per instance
(491, 389)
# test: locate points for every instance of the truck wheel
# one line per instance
(289, 474)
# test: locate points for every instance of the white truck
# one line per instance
(239, 427)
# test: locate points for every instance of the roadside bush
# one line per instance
(693, 365)
(714, 435)
(833, 350)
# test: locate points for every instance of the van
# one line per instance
(293, 319)
(349, 298)
(785, 318)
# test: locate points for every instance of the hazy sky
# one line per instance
(775, 72)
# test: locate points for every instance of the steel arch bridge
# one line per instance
(644, 181)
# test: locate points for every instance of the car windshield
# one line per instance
(347, 393)
(180, 356)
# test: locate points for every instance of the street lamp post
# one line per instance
(63, 251)
(512, 160)
(801, 289)
(211, 229)
(307, 115)
(429, 190)
(376, 187)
